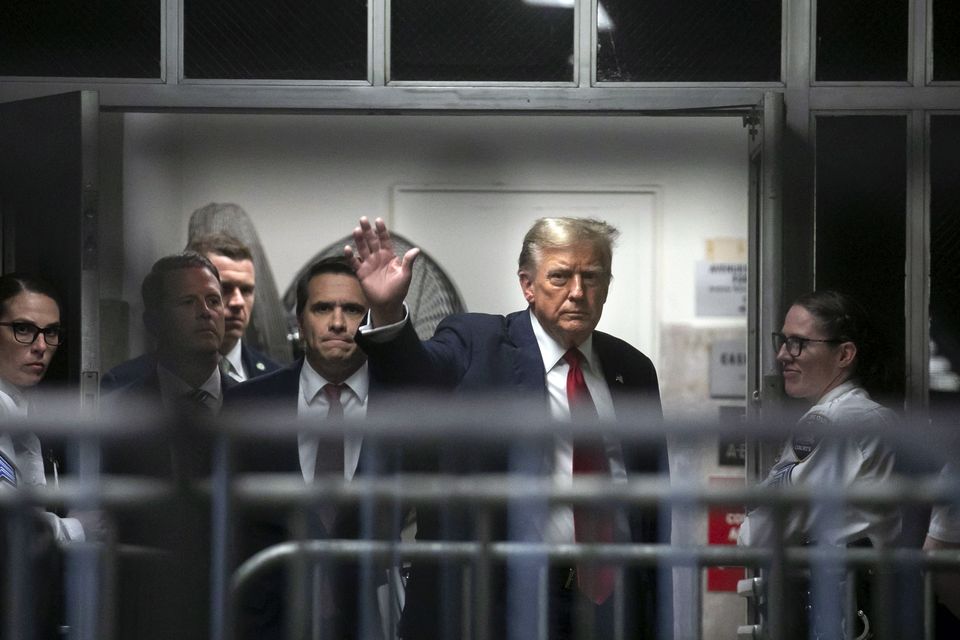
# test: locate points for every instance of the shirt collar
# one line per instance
(837, 391)
(552, 351)
(312, 382)
(172, 386)
(234, 357)
(14, 393)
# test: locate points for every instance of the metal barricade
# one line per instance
(229, 491)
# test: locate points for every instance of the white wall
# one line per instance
(305, 179)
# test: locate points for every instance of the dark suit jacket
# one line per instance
(263, 605)
(164, 588)
(472, 353)
(125, 373)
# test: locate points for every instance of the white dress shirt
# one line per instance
(232, 363)
(560, 527)
(312, 402)
(173, 389)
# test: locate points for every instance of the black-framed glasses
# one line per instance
(27, 332)
(794, 344)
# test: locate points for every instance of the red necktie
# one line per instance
(589, 525)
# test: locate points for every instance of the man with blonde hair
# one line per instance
(551, 354)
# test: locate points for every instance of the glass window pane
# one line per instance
(275, 39)
(861, 199)
(946, 44)
(481, 40)
(862, 40)
(944, 262)
(690, 41)
(71, 38)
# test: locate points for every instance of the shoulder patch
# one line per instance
(8, 472)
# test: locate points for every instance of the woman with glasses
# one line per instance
(30, 333)
(828, 357)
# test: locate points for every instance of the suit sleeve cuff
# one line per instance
(385, 333)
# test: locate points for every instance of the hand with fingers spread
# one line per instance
(384, 276)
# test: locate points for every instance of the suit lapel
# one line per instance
(613, 374)
(528, 374)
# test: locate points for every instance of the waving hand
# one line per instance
(384, 276)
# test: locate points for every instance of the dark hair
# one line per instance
(842, 317)
(220, 244)
(333, 264)
(153, 285)
(13, 284)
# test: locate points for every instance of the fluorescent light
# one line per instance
(604, 23)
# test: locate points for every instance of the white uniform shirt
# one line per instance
(312, 402)
(833, 463)
(232, 363)
(945, 518)
(24, 454)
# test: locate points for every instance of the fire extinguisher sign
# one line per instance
(723, 524)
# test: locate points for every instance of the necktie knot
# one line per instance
(332, 392)
(578, 395)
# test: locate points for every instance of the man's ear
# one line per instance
(848, 353)
(526, 285)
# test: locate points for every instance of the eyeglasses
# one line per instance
(794, 344)
(27, 332)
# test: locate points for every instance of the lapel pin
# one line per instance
(260, 366)
(620, 378)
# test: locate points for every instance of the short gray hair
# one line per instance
(557, 233)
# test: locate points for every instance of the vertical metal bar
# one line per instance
(89, 251)
(220, 541)
(917, 285)
(929, 607)
(483, 569)
(20, 581)
(584, 48)
(172, 42)
(378, 37)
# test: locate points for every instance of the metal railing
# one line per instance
(96, 590)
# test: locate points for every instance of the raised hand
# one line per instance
(384, 276)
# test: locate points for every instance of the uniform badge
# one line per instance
(804, 443)
(8, 472)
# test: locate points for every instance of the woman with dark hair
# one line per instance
(30, 333)
(828, 355)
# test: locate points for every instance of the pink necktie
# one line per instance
(589, 525)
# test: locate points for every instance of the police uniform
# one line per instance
(833, 462)
(21, 462)
(945, 519)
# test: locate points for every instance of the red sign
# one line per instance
(723, 524)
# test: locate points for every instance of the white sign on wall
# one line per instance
(721, 289)
(728, 369)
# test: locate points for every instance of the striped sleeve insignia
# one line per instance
(8, 472)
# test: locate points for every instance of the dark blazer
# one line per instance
(262, 608)
(472, 353)
(125, 373)
(164, 588)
